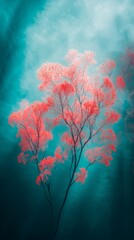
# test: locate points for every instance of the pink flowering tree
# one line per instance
(80, 97)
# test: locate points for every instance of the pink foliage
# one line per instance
(70, 72)
(108, 135)
(101, 154)
(14, 118)
(31, 127)
(108, 66)
(71, 55)
(67, 139)
(72, 117)
(22, 158)
(47, 162)
(38, 180)
(111, 147)
(107, 82)
(74, 57)
(106, 159)
(43, 177)
(91, 107)
(57, 120)
(50, 72)
(108, 88)
(112, 117)
(89, 57)
(120, 83)
(106, 93)
(49, 103)
(58, 154)
(109, 98)
(65, 88)
(81, 176)
(68, 115)
(93, 154)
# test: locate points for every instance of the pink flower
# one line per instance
(89, 57)
(65, 87)
(22, 158)
(107, 67)
(81, 176)
(112, 117)
(58, 155)
(67, 139)
(107, 83)
(120, 83)
(50, 72)
(91, 107)
(71, 55)
(108, 135)
(38, 180)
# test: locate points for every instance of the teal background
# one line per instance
(33, 32)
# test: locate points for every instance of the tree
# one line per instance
(81, 98)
